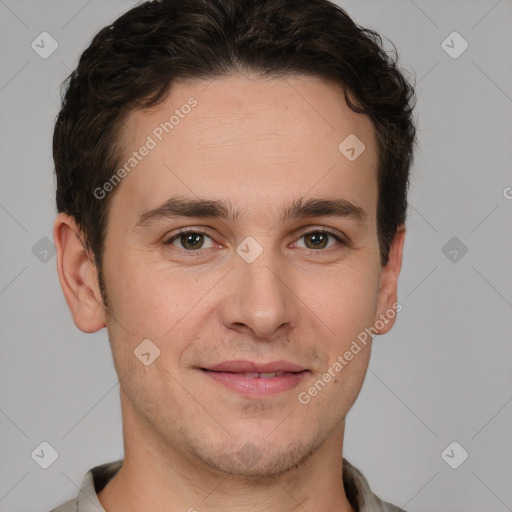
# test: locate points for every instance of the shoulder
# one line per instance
(93, 482)
(360, 494)
(67, 506)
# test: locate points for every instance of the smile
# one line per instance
(257, 380)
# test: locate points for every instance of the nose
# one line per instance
(261, 301)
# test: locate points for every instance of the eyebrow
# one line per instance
(218, 208)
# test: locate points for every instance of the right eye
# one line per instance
(191, 240)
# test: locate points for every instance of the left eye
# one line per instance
(194, 240)
(319, 239)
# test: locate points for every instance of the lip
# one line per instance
(234, 375)
(241, 365)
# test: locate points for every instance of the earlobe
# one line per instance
(387, 295)
(78, 276)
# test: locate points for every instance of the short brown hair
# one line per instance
(131, 64)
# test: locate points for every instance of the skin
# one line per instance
(260, 143)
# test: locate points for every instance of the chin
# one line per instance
(255, 460)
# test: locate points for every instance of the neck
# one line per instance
(157, 477)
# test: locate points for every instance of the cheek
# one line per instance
(345, 302)
(151, 302)
(146, 298)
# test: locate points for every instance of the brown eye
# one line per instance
(189, 240)
(317, 240)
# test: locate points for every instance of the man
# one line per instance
(231, 187)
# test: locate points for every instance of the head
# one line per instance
(228, 118)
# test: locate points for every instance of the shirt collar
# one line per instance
(93, 482)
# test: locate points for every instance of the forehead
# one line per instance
(240, 137)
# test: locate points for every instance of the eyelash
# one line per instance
(186, 231)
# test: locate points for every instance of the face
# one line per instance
(252, 299)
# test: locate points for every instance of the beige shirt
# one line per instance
(356, 487)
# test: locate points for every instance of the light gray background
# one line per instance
(442, 374)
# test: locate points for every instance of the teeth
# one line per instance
(267, 375)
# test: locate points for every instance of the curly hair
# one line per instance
(132, 63)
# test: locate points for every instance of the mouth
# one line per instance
(257, 380)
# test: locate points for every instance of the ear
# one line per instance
(78, 276)
(387, 302)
